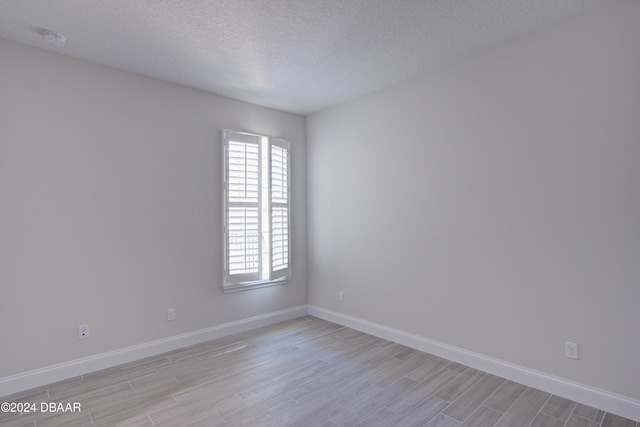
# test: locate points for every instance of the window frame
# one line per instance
(265, 208)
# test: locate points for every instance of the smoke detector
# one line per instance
(54, 38)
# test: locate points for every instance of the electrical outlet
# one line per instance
(83, 332)
(171, 314)
(571, 350)
(340, 295)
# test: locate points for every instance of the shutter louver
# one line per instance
(243, 208)
(279, 187)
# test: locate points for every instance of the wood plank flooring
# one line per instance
(305, 372)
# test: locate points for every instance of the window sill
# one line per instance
(239, 287)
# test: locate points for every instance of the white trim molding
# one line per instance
(47, 375)
(610, 402)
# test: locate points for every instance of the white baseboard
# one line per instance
(73, 368)
(610, 402)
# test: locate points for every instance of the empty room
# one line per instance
(320, 213)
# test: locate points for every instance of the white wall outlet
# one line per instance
(83, 332)
(571, 350)
(340, 295)
(171, 314)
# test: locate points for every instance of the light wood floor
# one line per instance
(305, 372)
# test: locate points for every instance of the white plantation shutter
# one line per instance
(279, 188)
(257, 211)
(242, 225)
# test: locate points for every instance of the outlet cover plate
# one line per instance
(571, 350)
(83, 332)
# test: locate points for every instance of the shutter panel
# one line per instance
(242, 210)
(280, 219)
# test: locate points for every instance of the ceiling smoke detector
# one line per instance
(54, 38)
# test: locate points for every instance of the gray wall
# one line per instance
(494, 205)
(110, 209)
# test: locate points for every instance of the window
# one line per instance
(256, 211)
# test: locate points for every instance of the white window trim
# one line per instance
(229, 285)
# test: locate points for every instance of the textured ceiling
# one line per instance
(300, 56)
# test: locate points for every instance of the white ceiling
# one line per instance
(300, 56)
